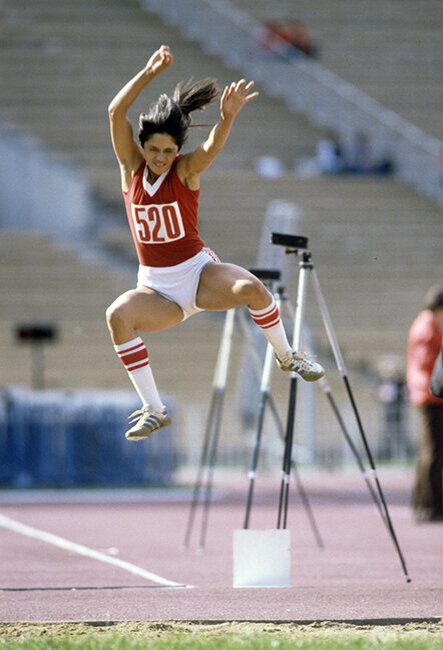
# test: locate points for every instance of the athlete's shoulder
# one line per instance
(136, 178)
(139, 171)
(179, 167)
(178, 157)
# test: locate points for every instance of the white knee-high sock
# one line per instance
(270, 323)
(135, 359)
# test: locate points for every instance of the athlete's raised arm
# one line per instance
(127, 150)
(234, 97)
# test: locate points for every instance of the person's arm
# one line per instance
(191, 165)
(127, 150)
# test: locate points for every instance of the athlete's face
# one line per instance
(160, 151)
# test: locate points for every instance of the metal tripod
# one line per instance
(271, 278)
(205, 473)
(298, 246)
(210, 442)
(266, 399)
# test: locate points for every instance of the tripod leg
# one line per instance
(327, 390)
(203, 462)
(376, 479)
(255, 460)
(252, 475)
(286, 474)
(343, 371)
(298, 481)
(220, 378)
(287, 458)
(210, 470)
(307, 506)
(264, 396)
(267, 399)
(219, 387)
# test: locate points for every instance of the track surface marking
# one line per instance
(55, 540)
(354, 576)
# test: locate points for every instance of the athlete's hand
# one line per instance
(160, 60)
(235, 97)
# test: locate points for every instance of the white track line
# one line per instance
(65, 544)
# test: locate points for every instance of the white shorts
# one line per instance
(178, 283)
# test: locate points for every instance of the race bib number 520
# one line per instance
(158, 224)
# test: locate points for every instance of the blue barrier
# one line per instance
(60, 439)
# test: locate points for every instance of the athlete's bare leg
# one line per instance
(224, 286)
(140, 310)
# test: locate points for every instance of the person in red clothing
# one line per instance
(424, 349)
(178, 276)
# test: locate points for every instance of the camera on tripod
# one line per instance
(291, 242)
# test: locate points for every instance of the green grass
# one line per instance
(221, 635)
(229, 642)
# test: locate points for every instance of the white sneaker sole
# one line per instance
(142, 432)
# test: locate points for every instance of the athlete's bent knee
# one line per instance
(243, 288)
(115, 317)
(249, 290)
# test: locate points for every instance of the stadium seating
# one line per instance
(390, 50)
(376, 244)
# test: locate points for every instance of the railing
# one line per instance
(54, 438)
(306, 86)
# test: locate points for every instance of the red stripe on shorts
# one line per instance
(211, 254)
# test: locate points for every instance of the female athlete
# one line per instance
(178, 276)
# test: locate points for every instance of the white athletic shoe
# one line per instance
(300, 363)
(147, 421)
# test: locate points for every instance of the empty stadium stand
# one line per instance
(390, 50)
(376, 243)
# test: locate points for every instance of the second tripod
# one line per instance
(299, 247)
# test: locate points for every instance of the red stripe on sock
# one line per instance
(140, 365)
(267, 319)
(129, 359)
(275, 322)
(122, 353)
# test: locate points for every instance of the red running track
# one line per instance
(356, 576)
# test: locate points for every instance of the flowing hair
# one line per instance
(171, 115)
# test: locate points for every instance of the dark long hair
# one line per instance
(171, 115)
(434, 298)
